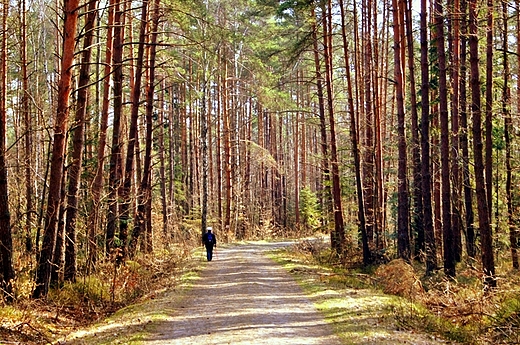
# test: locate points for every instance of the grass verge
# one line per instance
(357, 309)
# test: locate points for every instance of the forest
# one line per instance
(128, 127)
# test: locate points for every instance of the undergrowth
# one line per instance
(458, 310)
(90, 298)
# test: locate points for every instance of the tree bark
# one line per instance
(448, 239)
(58, 149)
(418, 211)
(74, 171)
(429, 234)
(488, 262)
(508, 130)
(339, 226)
(354, 137)
(97, 183)
(115, 167)
(464, 145)
(403, 237)
(132, 142)
(489, 108)
(6, 242)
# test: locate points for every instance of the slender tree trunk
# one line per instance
(489, 108)
(162, 163)
(367, 89)
(78, 143)
(508, 129)
(403, 238)
(455, 134)
(464, 145)
(339, 227)
(115, 168)
(488, 261)
(354, 135)
(321, 112)
(132, 141)
(429, 234)
(204, 148)
(227, 151)
(28, 137)
(97, 184)
(448, 239)
(58, 148)
(418, 212)
(6, 242)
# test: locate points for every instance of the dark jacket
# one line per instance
(207, 241)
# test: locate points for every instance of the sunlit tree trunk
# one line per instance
(75, 167)
(97, 183)
(325, 195)
(455, 133)
(489, 108)
(429, 235)
(418, 212)
(354, 135)
(464, 142)
(58, 149)
(508, 130)
(28, 137)
(488, 262)
(132, 141)
(448, 240)
(339, 227)
(115, 168)
(145, 188)
(6, 242)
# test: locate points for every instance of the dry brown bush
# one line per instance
(398, 278)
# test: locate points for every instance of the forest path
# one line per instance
(242, 297)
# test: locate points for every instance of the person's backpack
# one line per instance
(210, 237)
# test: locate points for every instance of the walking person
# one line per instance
(209, 240)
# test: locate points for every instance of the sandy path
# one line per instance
(244, 298)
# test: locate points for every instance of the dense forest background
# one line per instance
(127, 127)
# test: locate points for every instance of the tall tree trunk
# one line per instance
(488, 261)
(508, 129)
(455, 133)
(126, 199)
(418, 212)
(58, 149)
(489, 108)
(321, 111)
(115, 167)
(6, 242)
(448, 240)
(145, 188)
(28, 137)
(367, 89)
(162, 163)
(74, 171)
(97, 183)
(403, 237)
(227, 151)
(429, 234)
(339, 227)
(464, 145)
(354, 135)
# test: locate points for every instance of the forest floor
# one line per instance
(244, 297)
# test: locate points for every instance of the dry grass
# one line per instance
(90, 298)
(457, 309)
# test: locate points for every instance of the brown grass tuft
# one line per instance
(398, 278)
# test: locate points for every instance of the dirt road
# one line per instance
(244, 298)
